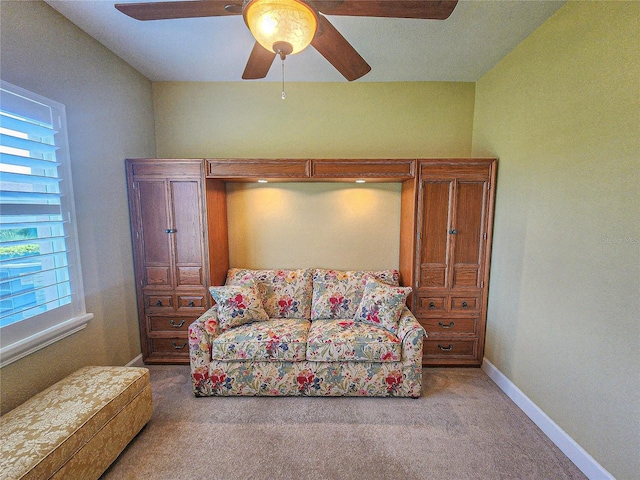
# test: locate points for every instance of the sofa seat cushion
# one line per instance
(286, 293)
(347, 340)
(278, 339)
(337, 294)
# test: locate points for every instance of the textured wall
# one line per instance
(304, 225)
(109, 117)
(562, 112)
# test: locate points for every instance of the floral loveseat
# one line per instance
(307, 332)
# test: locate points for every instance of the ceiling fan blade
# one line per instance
(259, 63)
(425, 9)
(335, 48)
(189, 9)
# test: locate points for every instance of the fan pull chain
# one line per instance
(284, 95)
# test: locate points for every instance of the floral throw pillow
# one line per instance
(285, 293)
(237, 305)
(337, 294)
(382, 305)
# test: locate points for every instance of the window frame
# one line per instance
(29, 335)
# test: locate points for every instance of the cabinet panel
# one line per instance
(187, 221)
(157, 276)
(434, 236)
(152, 204)
(189, 276)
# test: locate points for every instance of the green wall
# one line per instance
(319, 120)
(294, 225)
(109, 117)
(562, 114)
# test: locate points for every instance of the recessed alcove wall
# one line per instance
(326, 225)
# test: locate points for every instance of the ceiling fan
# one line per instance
(283, 27)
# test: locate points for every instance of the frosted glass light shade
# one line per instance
(275, 21)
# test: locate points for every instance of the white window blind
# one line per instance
(41, 295)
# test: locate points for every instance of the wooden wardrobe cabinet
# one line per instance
(452, 245)
(167, 201)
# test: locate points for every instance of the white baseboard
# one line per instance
(136, 362)
(578, 455)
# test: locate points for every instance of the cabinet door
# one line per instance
(467, 231)
(187, 232)
(154, 243)
(434, 239)
(452, 230)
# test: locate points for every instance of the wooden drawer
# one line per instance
(464, 304)
(168, 350)
(192, 301)
(450, 326)
(158, 302)
(428, 305)
(363, 169)
(168, 325)
(166, 168)
(188, 303)
(257, 168)
(436, 306)
(450, 351)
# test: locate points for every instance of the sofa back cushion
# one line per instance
(337, 294)
(285, 293)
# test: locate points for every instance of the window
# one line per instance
(41, 295)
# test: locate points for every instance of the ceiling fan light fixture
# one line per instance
(281, 26)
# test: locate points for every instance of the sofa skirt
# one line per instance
(362, 379)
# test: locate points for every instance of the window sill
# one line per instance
(27, 346)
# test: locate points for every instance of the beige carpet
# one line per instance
(463, 427)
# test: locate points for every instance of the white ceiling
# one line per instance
(477, 35)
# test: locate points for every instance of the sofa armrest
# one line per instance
(411, 334)
(201, 334)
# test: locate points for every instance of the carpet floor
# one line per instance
(463, 427)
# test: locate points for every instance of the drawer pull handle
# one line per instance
(170, 230)
(432, 305)
(445, 349)
(451, 324)
(465, 305)
(191, 304)
(176, 325)
(180, 347)
(159, 303)
(453, 232)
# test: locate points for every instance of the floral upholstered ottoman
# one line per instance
(76, 428)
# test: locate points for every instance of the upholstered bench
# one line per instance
(76, 428)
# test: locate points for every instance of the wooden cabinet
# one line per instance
(451, 245)
(167, 200)
(180, 245)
